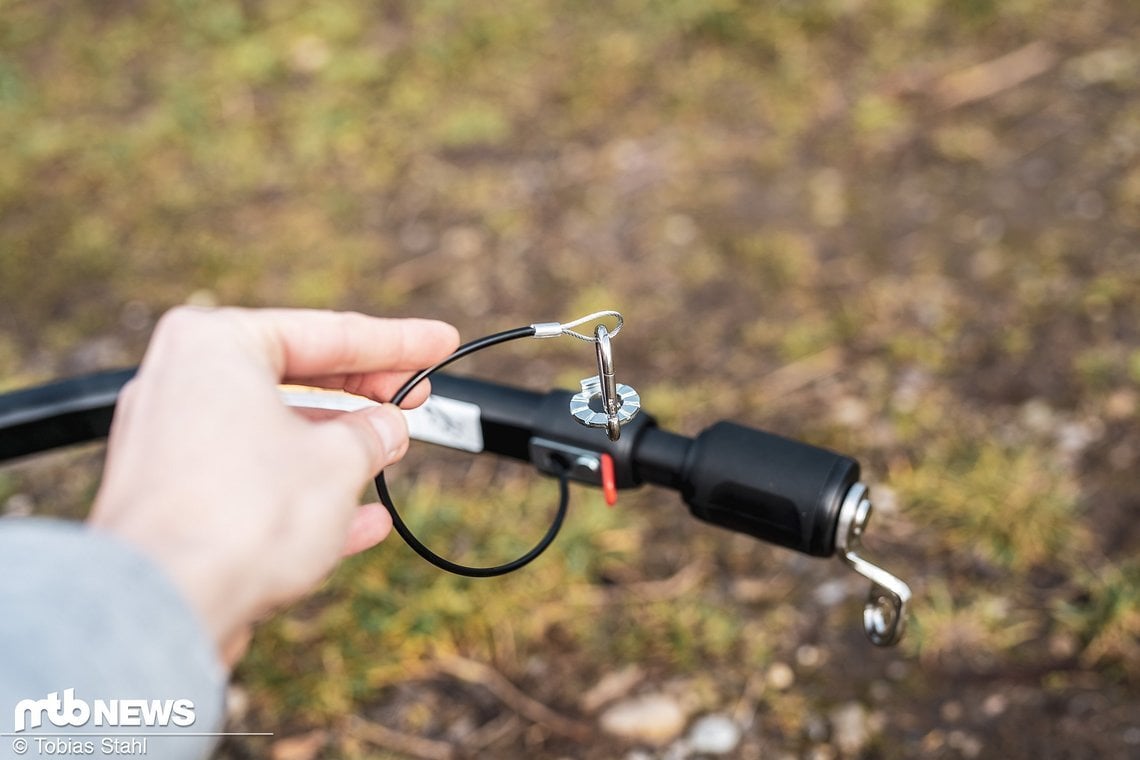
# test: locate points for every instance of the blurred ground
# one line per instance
(909, 231)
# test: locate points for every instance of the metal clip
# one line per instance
(604, 402)
(610, 404)
(884, 614)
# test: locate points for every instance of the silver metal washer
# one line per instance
(629, 404)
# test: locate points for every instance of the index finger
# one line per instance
(321, 344)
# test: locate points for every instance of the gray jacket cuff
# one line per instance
(98, 647)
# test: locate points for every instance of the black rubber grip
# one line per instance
(776, 489)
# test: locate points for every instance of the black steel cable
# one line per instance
(398, 522)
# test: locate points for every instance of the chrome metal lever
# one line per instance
(885, 612)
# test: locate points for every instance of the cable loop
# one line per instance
(397, 520)
(554, 329)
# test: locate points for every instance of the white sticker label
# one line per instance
(443, 421)
(319, 398)
(447, 422)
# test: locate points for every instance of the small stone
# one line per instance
(19, 505)
(897, 670)
(1122, 404)
(237, 703)
(655, 719)
(1038, 416)
(1062, 645)
(611, 686)
(680, 230)
(781, 676)
(849, 730)
(952, 711)
(995, 704)
(969, 745)
(880, 691)
(933, 741)
(809, 656)
(714, 735)
(751, 590)
(816, 728)
(309, 54)
(832, 592)
(301, 747)
(822, 752)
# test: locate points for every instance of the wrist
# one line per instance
(215, 595)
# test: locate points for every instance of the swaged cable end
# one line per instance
(547, 329)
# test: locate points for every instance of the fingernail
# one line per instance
(388, 422)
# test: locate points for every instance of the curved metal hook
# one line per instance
(885, 612)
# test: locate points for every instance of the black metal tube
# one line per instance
(59, 414)
(747, 480)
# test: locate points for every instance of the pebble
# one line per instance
(301, 747)
(995, 705)
(651, 718)
(19, 505)
(780, 676)
(1122, 404)
(952, 711)
(610, 687)
(809, 656)
(833, 592)
(237, 703)
(822, 752)
(897, 670)
(880, 691)
(849, 729)
(816, 728)
(714, 735)
(966, 743)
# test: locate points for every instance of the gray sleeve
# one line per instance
(99, 648)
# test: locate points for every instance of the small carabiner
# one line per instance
(608, 381)
(603, 401)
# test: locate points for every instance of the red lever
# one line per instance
(609, 481)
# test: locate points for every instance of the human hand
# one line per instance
(244, 502)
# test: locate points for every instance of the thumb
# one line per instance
(379, 437)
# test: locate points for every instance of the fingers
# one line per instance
(370, 526)
(370, 356)
(307, 344)
(380, 386)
